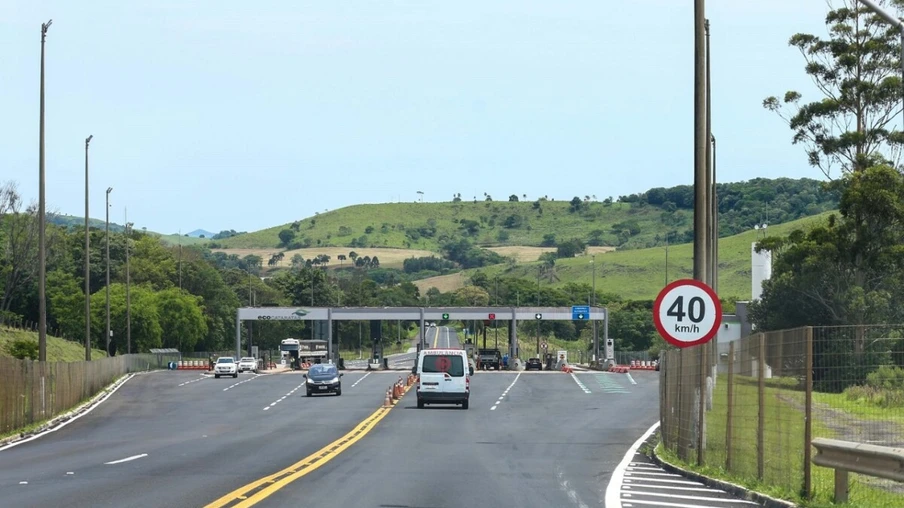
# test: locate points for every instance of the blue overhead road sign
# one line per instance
(580, 312)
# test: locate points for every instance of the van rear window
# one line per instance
(452, 364)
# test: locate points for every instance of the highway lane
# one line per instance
(528, 440)
(180, 439)
(401, 360)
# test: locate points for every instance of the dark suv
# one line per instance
(323, 378)
(533, 363)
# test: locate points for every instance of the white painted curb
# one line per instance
(613, 490)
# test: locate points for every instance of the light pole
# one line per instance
(715, 212)
(596, 338)
(495, 327)
(87, 262)
(128, 284)
(895, 22)
(109, 190)
(42, 254)
(539, 268)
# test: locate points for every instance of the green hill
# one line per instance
(640, 274)
(58, 350)
(633, 222)
(71, 222)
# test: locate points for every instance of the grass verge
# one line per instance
(58, 350)
(783, 444)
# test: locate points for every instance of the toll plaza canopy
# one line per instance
(421, 314)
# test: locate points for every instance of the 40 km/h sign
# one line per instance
(687, 313)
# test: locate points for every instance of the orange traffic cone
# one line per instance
(387, 402)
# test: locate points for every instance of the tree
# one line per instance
(19, 263)
(286, 236)
(472, 296)
(513, 198)
(341, 258)
(181, 318)
(857, 69)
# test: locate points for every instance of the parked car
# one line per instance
(534, 364)
(225, 366)
(248, 363)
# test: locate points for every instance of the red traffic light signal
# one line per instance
(492, 316)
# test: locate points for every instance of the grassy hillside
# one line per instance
(640, 274)
(176, 239)
(58, 350)
(635, 221)
(71, 221)
(389, 258)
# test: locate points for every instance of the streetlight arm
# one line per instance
(884, 14)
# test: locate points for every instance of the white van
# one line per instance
(444, 377)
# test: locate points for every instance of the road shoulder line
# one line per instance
(613, 490)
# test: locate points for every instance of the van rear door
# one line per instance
(442, 373)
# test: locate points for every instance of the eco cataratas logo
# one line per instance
(297, 314)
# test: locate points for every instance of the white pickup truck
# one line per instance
(225, 366)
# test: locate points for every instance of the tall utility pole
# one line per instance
(691, 436)
(708, 183)
(109, 190)
(128, 284)
(712, 240)
(87, 262)
(42, 240)
(701, 190)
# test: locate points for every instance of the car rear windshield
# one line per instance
(451, 364)
(225, 360)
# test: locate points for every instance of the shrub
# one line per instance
(23, 348)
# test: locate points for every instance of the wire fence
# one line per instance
(33, 392)
(767, 396)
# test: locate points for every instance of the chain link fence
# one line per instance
(33, 392)
(767, 396)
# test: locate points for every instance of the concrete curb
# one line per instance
(737, 490)
(71, 415)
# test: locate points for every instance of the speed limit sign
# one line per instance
(687, 313)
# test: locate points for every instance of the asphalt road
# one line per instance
(534, 439)
(549, 441)
(202, 439)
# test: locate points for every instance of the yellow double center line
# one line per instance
(258, 490)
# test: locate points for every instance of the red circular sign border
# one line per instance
(658, 322)
(442, 360)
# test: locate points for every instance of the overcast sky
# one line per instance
(243, 115)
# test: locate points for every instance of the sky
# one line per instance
(224, 114)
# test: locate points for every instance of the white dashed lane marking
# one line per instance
(127, 459)
(277, 401)
(202, 378)
(362, 379)
(242, 382)
(499, 401)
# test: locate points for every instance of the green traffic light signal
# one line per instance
(445, 316)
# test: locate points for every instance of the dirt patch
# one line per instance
(528, 254)
(444, 283)
(848, 427)
(388, 257)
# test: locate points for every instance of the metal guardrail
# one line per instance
(847, 457)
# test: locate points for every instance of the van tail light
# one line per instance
(467, 383)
